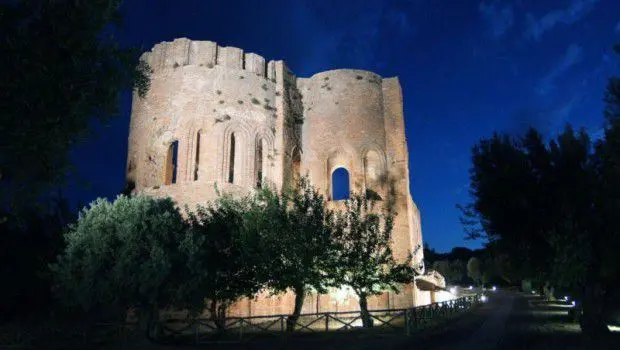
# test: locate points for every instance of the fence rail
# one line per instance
(243, 328)
(201, 331)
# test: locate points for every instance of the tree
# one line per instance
(549, 207)
(28, 244)
(222, 257)
(60, 68)
(474, 269)
(452, 270)
(363, 257)
(123, 255)
(295, 228)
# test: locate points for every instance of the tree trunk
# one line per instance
(366, 319)
(218, 315)
(592, 319)
(149, 321)
(300, 295)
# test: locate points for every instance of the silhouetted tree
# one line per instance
(552, 209)
(29, 242)
(454, 271)
(474, 269)
(61, 67)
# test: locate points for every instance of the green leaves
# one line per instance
(122, 254)
(139, 252)
(363, 257)
(221, 256)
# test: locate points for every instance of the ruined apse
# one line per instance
(219, 119)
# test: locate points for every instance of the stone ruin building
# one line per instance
(218, 116)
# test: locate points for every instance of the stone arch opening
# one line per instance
(341, 184)
(231, 159)
(197, 157)
(259, 172)
(170, 171)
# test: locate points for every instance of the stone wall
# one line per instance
(204, 95)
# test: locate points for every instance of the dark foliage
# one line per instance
(552, 209)
(28, 244)
(61, 68)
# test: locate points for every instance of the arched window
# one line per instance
(259, 163)
(231, 160)
(340, 184)
(196, 164)
(171, 163)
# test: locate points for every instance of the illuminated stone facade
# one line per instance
(218, 116)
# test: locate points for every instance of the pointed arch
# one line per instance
(232, 153)
(197, 155)
(263, 156)
(233, 165)
(259, 163)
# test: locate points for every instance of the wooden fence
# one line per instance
(200, 331)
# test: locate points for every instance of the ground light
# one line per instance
(573, 303)
(566, 298)
(613, 328)
(483, 298)
(494, 288)
(471, 287)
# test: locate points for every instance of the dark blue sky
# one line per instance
(467, 68)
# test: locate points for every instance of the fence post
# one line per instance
(407, 333)
(241, 329)
(196, 328)
(326, 322)
(282, 324)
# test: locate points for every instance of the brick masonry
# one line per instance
(204, 95)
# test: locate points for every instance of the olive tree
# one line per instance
(123, 255)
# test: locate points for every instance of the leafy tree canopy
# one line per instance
(363, 256)
(297, 228)
(223, 259)
(122, 255)
(61, 67)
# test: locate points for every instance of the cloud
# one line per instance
(560, 115)
(548, 120)
(570, 15)
(499, 17)
(572, 56)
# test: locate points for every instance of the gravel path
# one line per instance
(492, 330)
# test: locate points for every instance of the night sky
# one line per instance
(467, 68)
